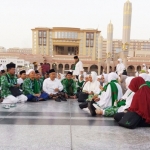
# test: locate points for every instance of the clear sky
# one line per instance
(18, 17)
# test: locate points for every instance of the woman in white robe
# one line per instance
(106, 99)
(92, 86)
(127, 97)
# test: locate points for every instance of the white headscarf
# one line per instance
(94, 85)
(120, 60)
(127, 81)
(145, 76)
(94, 76)
(106, 78)
(79, 78)
(61, 76)
(112, 76)
(29, 71)
(99, 77)
(148, 71)
(87, 75)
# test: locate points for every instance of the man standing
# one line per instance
(45, 67)
(8, 84)
(120, 69)
(78, 67)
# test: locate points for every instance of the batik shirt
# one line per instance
(28, 86)
(69, 86)
(5, 84)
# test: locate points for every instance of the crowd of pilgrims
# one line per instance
(109, 95)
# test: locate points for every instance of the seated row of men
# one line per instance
(33, 87)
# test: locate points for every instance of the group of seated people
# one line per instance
(109, 95)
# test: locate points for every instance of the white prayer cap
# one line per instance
(29, 71)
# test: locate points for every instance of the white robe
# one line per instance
(49, 86)
(105, 98)
(78, 68)
(128, 103)
(120, 67)
(10, 99)
(127, 96)
(92, 86)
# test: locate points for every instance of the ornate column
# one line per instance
(127, 13)
(109, 45)
(100, 47)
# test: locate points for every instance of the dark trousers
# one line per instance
(43, 96)
(118, 117)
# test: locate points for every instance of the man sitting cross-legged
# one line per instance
(69, 85)
(53, 87)
(31, 88)
(10, 89)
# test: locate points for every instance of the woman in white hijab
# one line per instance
(148, 72)
(60, 76)
(120, 67)
(105, 79)
(92, 86)
(122, 105)
(146, 77)
(106, 99)
(144, 67)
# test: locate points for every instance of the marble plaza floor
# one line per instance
(51, 125)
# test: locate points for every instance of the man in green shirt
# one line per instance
(9, 81)
(69, 86)
(32, 88)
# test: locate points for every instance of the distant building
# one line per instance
(2, 49)
(20, 50)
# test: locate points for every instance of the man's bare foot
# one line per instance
(99, 112)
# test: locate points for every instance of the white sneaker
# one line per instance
(6, 106)
(96, 106)
(13, 105)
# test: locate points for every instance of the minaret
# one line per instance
(100, 48)
(127, 13)
(109, 45)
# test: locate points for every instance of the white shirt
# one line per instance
(78, 68)
(49, 86)
(19, 81)
(92, 86)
